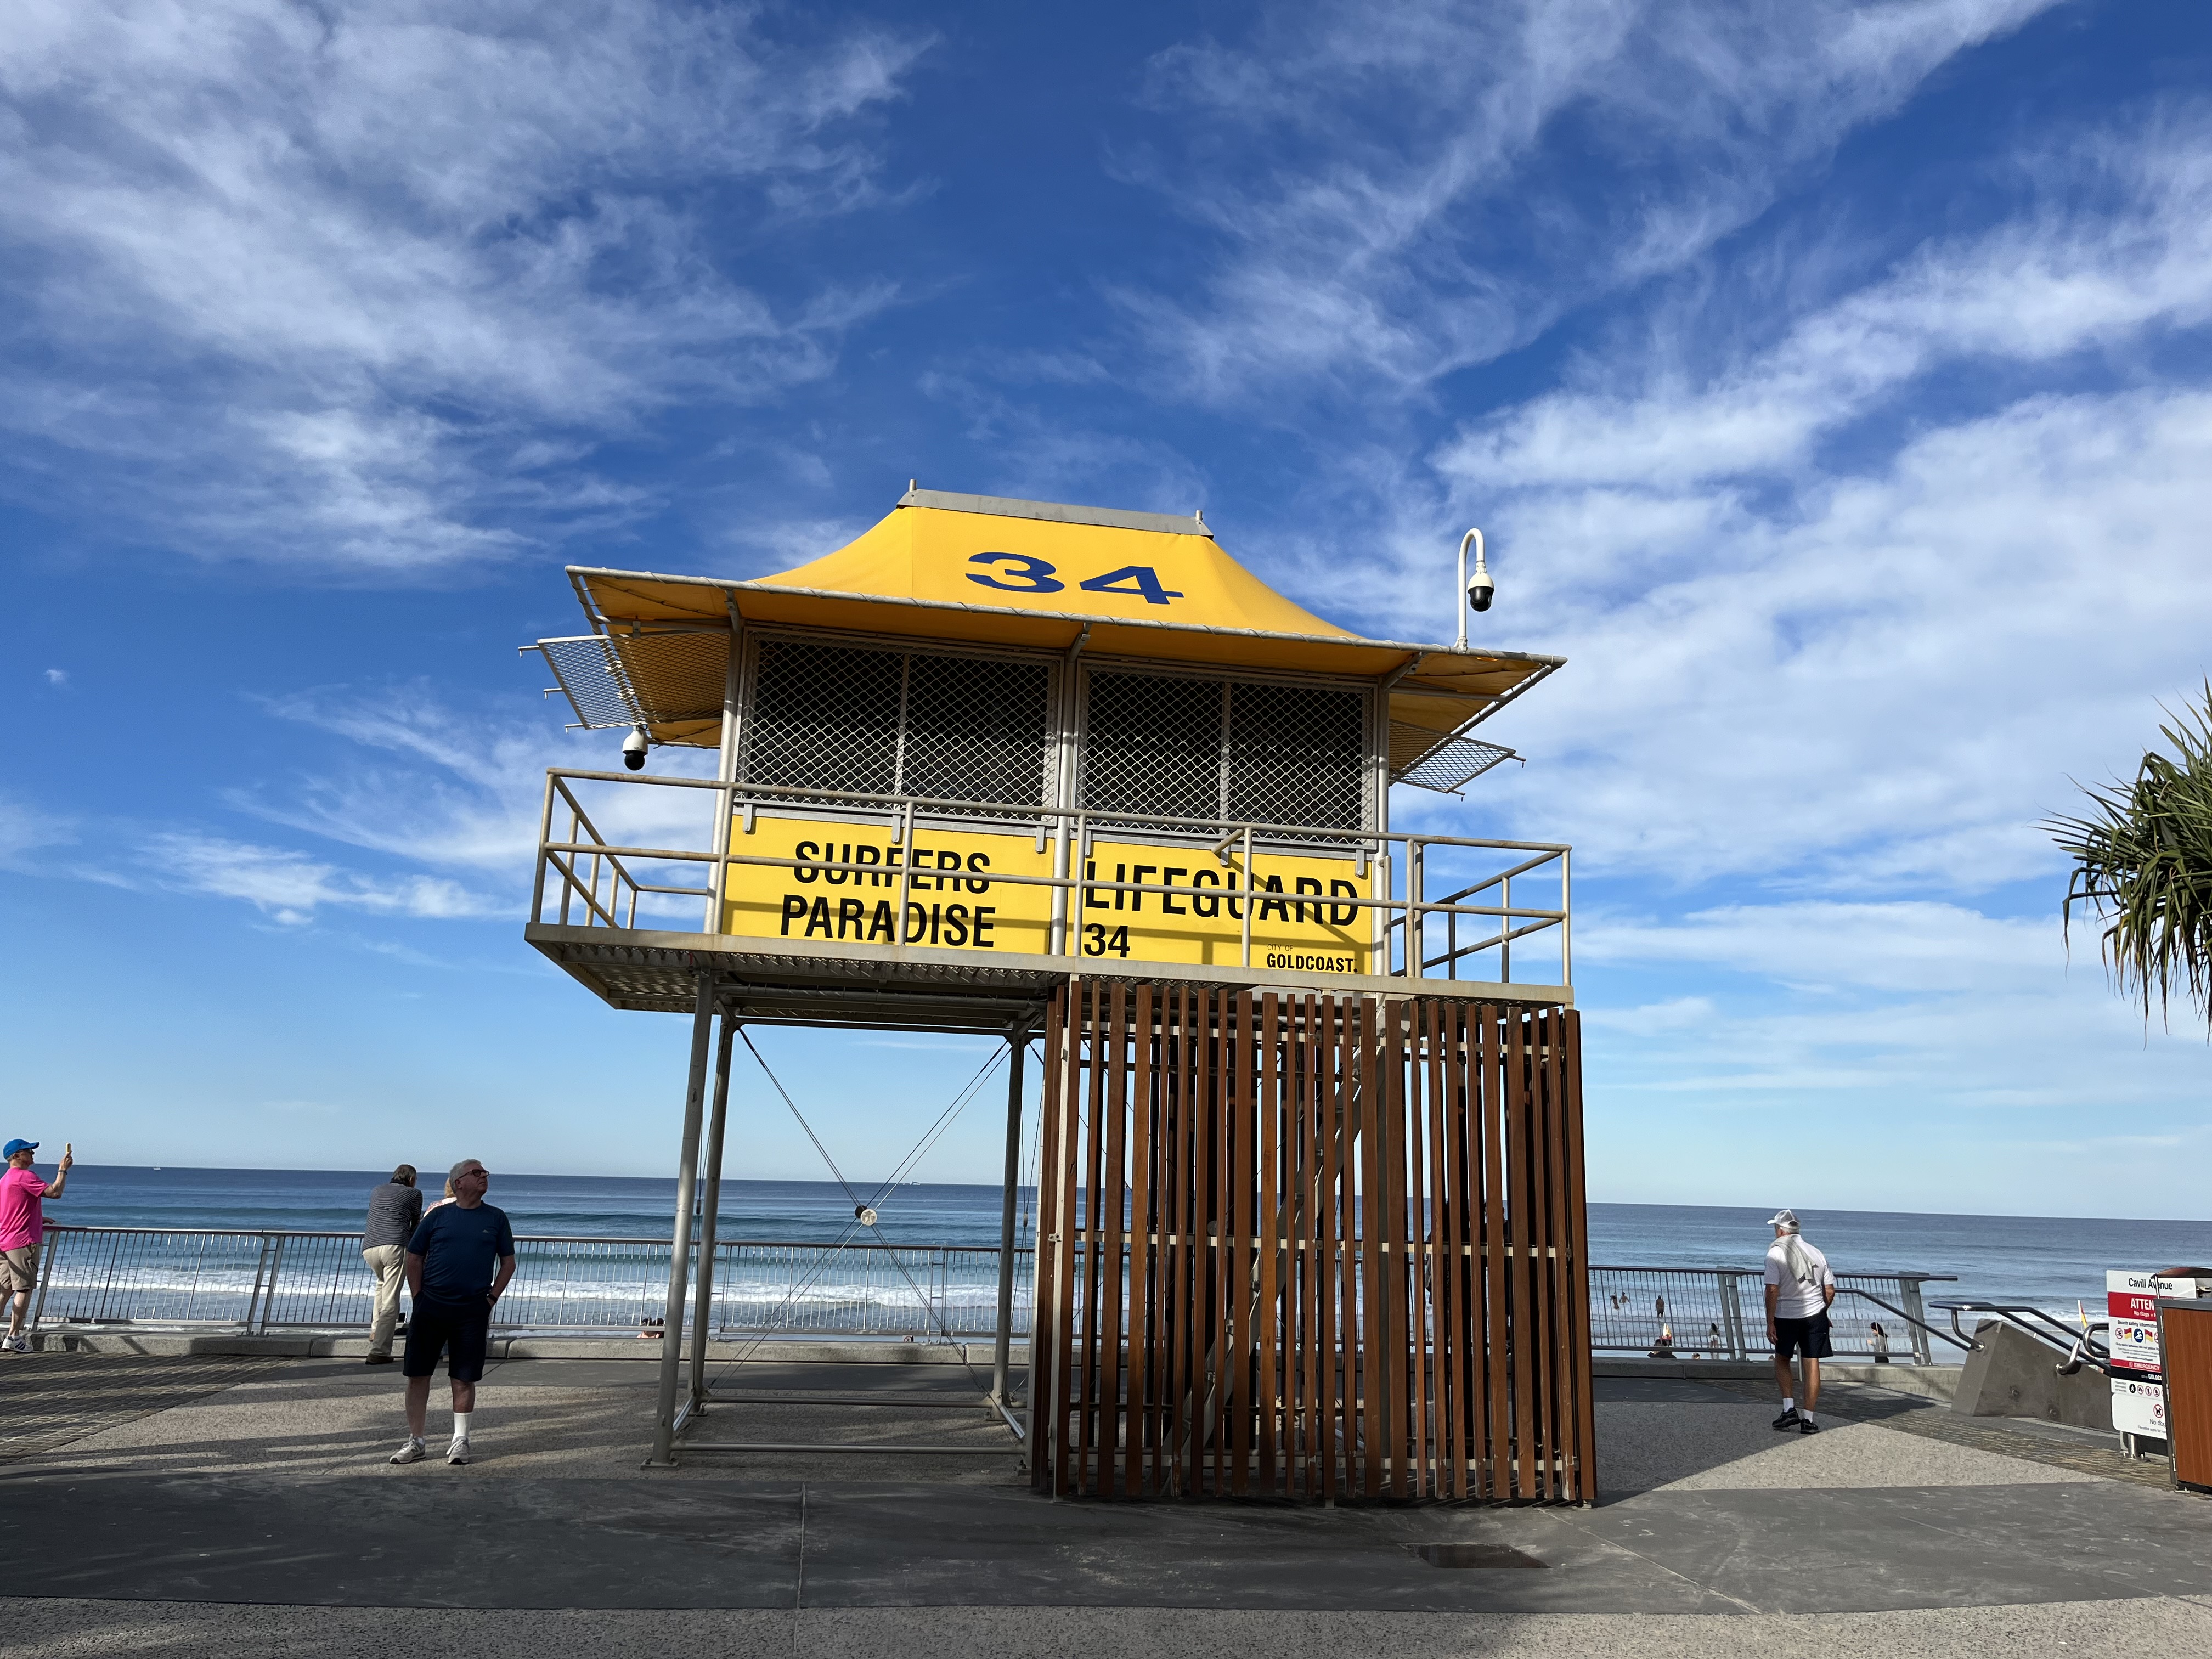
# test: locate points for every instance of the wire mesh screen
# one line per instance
(676, 676)
(595, 687)
(654, 679)
(975, 730)
(1152, 743)
(1295, 754)
(895, 722)
(824, 717)
(1247, 751)
(1448, 766)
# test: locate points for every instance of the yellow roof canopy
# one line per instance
(981, 569)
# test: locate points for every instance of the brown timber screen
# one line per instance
(1337, 1249)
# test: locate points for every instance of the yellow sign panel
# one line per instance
(958, 897)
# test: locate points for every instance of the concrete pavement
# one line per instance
(250, 1512)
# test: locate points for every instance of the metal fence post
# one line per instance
(260, 1278)
(1732, 1305)
(46, 1278)
(269, 1296)
(1909, 1297)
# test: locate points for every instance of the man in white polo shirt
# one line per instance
(1799, 1288)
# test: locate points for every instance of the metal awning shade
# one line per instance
(1446, 766)
(990, 571)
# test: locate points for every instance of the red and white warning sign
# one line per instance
(2132, 1301)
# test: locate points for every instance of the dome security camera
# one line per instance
(1480, 590)
(634, 748)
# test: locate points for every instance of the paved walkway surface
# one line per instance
(182, 1507)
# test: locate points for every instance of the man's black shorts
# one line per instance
(1791, 1336)
(461, 1327)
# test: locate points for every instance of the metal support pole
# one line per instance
(726, 770)
(1909, 1296)
(1732, 1314)
(703, 1310)
(1251, 882)
(1018, 1040)
(679, 1243)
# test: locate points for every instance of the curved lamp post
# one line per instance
(1480, 591)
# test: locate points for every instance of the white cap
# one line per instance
(1783, 1218)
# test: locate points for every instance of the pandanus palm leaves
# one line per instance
(2142, 868)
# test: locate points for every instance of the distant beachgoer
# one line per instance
(1799, 1290)
(395, 1210)
(1713, 1341)
(22, 1230)
(1878, 1340)
(459, 1262)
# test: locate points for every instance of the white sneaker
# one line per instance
(458, 1452)
(414, 1451)
(16, 1344)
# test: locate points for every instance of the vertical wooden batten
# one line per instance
(1313, 1247)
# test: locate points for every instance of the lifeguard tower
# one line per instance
(1310, 1212)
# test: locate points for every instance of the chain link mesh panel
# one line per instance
(824, 717)
(1152, 743)
(1295, 755)
(1282, 754)
(898, 723)
(975, 729)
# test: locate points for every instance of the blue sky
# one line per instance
(1832, 382)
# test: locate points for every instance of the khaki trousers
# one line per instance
(389, 1263)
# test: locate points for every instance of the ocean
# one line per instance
(2042, 1261)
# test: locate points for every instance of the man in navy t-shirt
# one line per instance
(460, 1260)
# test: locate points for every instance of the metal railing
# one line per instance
(259, 1282)
(1720, 1313)
(587, 879)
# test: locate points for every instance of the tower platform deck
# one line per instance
(820, 983)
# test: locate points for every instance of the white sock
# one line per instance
(1808, 1416)
(1788, 1402)
(460, 1425)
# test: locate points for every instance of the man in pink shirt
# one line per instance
(22, 1226)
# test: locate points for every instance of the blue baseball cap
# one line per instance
(16, 1147)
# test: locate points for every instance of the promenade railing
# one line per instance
(1720, 1313)
(273, 1281)
(277, 1281)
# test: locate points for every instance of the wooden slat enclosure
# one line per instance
(1307, 1247)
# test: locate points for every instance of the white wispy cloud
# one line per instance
(1827, 627)
(290, 886)
(462, 791)
(1901, 947)
(2129, 249)
(26, 829)
(1390, 189)
(339, 285)
(1927, 1051)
